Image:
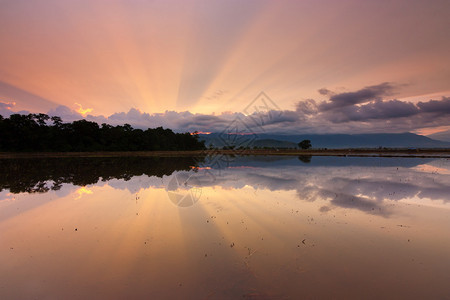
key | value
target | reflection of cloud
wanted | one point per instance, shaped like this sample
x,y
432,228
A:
x,y
82,191
324,209
441,191
364,187
377,183
29,201
137,183
7,196
363,204
432,169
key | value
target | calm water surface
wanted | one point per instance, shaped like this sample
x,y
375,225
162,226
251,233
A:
x,y
225,228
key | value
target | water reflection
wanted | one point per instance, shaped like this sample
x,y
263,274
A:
x,y
41,175
258,228
360,183
349,182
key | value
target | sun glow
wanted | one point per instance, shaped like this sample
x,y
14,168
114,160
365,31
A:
x,y
82,191
83,111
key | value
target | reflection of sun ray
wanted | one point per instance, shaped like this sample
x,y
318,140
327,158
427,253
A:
x,y
205,240
151,201
256,214
228,224
139,242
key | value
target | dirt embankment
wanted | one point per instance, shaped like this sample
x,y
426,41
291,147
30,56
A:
x,y
293,152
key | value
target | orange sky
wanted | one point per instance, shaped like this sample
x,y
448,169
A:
x,y
105,57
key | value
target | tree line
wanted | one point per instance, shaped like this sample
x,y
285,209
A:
x,y
40,132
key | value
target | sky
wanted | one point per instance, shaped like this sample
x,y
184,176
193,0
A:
x,y
319,66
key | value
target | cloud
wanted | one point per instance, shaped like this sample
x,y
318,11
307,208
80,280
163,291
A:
x,y
7,105
436,106
369,93
373,116
374,110
359,203
5,108
307,107
362,111
66,113
273,117
324,91
365,110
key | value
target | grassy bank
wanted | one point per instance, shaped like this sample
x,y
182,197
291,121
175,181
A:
x,y
294,152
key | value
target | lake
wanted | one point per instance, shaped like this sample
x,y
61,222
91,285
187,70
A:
x,y
262,227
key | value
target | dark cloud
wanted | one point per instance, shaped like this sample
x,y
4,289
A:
x,y
324,209
276,117
436,106
370,93
324,91
365,111
205,119
374,110
375,189
362,111
359,203
307,107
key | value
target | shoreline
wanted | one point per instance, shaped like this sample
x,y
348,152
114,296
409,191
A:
x,y
422,153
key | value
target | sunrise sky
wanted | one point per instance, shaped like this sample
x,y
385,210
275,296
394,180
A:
x,y
326,66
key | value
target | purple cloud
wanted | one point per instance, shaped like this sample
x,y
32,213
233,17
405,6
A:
x,y
369,93
436,106
363,111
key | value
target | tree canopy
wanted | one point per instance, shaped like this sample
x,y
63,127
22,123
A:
x,y
305,144
40,132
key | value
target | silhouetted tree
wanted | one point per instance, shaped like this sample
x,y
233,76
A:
x,y
305,144
33,132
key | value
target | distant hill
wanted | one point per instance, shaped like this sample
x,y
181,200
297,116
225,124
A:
x,y
389,140
274,143
441,136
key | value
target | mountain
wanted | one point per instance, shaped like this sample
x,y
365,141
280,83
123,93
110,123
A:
x,y
441,136
389,140
271,143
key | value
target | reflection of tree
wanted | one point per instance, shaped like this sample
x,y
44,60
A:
x,y
305,158
44,174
